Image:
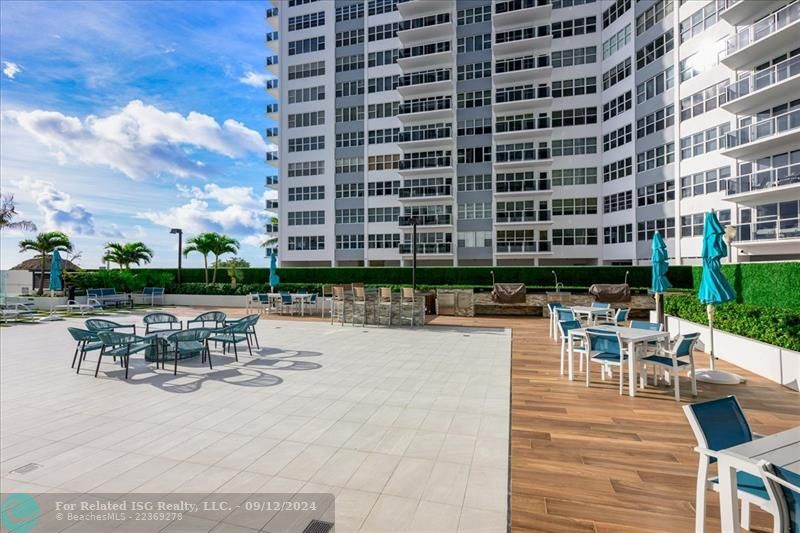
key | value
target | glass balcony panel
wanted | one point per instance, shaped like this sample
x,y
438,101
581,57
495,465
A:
x,y
763,129
763,28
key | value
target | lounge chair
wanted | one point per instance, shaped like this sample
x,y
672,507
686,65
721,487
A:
x,y
73,305
154,319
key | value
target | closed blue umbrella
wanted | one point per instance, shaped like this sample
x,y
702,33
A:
x,y
714,289
659,283
55,272
274,280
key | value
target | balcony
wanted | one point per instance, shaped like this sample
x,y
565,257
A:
x,y
425,28
516,12
423,83
521,69
521,41
522,187
425,56
427,248
762,40
778,83
525,217
523,98
272,88
407,221
522,158
270,228
425,192
773,237
273,42
771,135
426,109
272,111
271,204
764,186
271,182
520,248
426,165
521,129
273,66
271,158
425,138
272,134
417,8
742,11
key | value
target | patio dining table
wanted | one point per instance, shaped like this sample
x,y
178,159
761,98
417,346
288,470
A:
x,y
591,313
630,336
301,297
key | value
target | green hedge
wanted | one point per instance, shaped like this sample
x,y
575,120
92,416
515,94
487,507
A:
x,y
780,327
766,284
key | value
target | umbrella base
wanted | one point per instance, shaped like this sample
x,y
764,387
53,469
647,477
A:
x,y
718,377
50,318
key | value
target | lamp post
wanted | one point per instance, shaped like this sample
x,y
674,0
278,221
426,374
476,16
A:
x,y
179,232
414,254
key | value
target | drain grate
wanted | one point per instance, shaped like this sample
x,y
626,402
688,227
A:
x,y
318,526
30,467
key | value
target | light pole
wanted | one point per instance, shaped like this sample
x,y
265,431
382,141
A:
x,y
179,232
414,254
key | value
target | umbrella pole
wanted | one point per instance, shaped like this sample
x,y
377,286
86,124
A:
x,y
710,314
711,374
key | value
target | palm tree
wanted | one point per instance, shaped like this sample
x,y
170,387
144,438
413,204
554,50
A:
x,y
220,245
45,244
124,254
7,213
201,244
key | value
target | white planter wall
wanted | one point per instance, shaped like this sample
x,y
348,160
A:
x,y
769,361
203,300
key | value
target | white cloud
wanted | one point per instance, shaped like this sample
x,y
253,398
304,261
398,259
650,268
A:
x,y
11,69
59,211
254,79
140,140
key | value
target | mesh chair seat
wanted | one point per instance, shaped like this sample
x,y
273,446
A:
x,y
608,356
748,483
661,360
228,337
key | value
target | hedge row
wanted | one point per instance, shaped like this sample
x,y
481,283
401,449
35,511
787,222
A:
x,y
780,327
767,284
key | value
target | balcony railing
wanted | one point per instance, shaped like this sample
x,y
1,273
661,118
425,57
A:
x,y
523,247
763,129
522,186
503,96
516,5
424,50
424,106
521,34
425,191
427,248
760,79
763,28
537,123
531,215
768,230
420,78
427,134
426,162
533,154
762,180
426,220
424,22
521,63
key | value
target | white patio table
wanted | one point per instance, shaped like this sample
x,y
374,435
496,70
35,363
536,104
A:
x,y
781,449
630,336
591,313
303,298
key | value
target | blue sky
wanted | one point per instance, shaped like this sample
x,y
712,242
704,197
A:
x,y
123,119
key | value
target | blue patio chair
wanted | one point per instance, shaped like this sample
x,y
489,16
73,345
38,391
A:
x,y
641,324
783,487
605,347
101,324
674,359
160,318
233,334
719,424
122,345
288,301
601,305
565,313
251,328
215,318
619,317
88,341
185,344
551,307
565,326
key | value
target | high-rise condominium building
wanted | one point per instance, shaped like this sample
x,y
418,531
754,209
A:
x,y
533,132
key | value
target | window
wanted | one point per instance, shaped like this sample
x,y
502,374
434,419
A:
x,y
474,43
617,105
654,49
473,126
349,12
382,31
474,99
567,177
521,92
475,70
385,110
349,138
350,37
574,206
429,159
703,101
307,94
615,11
655,157
304,120
293,3
570,28
653,15
692,225
383,214
618,202
480,182
575,87
383,83
383,188
474,239
646,230
475,211
654,86
350,215
304,194
581,146
618,234
305,46
306,144
617,138
574,117
306,218
306,70
575,56
529,32
382,136
347,63
617,73
707,182
657,193
617,169
309,20
306,168
376,7
521,181
383,57
350,242
383,240
306,242
702,19
616,41
345,165
349,88
559,4
474,15
478,154
521,152
349,114
349,190
574,236
694,64
383,162
655,121
705,141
